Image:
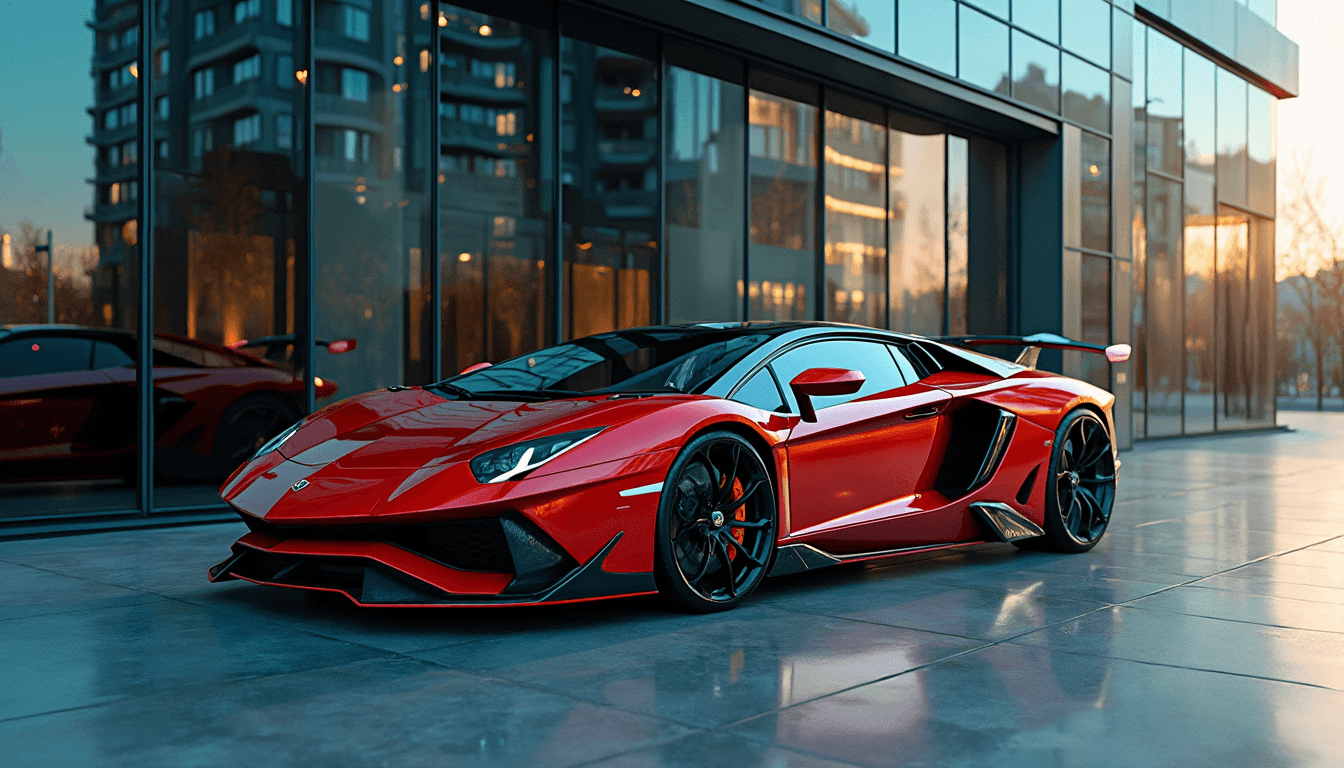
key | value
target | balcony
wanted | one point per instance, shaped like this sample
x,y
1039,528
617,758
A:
x,y
470,39
108,136
455,82
346,168
111,211
482,138
612,98
372,115
628,151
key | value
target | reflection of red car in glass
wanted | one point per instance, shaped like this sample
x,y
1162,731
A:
x,y
67,400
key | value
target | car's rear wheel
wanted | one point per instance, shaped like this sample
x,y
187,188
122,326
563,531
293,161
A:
x,y
716,524
246,426
1081,487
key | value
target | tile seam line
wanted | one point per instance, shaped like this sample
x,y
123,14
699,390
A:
x,y
1238,621
1073,652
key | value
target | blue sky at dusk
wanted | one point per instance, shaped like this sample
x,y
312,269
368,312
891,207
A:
x,y
45,52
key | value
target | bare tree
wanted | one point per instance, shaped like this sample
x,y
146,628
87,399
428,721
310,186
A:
x,y
1312,261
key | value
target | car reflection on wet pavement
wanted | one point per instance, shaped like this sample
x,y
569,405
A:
x,y
1207,628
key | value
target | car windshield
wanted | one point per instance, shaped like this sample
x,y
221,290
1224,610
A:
x,y
684,360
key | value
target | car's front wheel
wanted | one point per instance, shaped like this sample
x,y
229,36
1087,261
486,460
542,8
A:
x,y
716,524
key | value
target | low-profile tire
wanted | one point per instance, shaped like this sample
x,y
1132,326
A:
x,y
247,424
1080,486
716,525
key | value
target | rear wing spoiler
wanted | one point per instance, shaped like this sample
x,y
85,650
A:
x,y
1115,353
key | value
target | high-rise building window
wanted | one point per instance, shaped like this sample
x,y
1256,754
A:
x,y
202,141
205,23
355,84
161,147
161,62
161,107
246,9
355,23
247,130
284,71
284,13
247,69
203,82
284,131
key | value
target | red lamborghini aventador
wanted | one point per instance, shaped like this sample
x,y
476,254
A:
x,y
688,460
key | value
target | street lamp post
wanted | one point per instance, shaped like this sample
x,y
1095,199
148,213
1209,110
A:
x,y
51,280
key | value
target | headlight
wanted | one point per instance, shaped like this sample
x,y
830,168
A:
x,y
515,461
277,441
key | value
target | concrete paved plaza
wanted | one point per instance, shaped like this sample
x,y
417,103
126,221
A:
x,y
1206,629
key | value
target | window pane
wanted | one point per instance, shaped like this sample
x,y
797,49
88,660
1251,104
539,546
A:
x,y
761,392
372,221
1260,151
1165,295
808,9
1096,317
1087,94
928,33
1122,43
879,370
59,419
1087,29
957,215
1035,72
1231,138
918,232
610,178
705,188
1138,229
1233,318
871,21
997,7
856,217
1096,190
1200,228
1200,106
783,182
1040,17
1164,104
983,51
494,212
1260,340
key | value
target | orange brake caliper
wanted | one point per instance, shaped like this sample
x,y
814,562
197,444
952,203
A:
x,y
740,514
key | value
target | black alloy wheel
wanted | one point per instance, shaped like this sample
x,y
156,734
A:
x,y
1081,492
716,524
247,425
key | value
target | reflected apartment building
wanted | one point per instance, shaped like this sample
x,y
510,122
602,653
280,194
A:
x,y
432,185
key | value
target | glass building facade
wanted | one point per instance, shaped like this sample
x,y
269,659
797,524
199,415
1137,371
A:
x,y
218,216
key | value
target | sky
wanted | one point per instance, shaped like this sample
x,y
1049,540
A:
x,y
1312,121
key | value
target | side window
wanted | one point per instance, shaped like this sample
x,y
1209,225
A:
x,y
870,358
903,362
925,364
109,355
760,391
36,355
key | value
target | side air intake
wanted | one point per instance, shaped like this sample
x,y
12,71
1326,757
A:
x,y
980,436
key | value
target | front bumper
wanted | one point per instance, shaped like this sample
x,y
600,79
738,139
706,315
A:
x,y
500,561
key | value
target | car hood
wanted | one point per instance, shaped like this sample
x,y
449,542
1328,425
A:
x,y
407,452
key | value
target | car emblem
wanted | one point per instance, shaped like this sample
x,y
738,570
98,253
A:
x,y
716,517
299,486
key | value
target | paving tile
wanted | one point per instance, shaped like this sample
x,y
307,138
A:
x,y
1016,706
32,592
1308,592
1196,642
714,748
717,672
386,712
88,657
1256,609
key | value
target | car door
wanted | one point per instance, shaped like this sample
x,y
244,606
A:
x,y
862,462
48,392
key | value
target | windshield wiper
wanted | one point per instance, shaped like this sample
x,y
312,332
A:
x,y
452,389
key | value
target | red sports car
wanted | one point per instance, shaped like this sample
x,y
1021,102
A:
x,y
688,460
67,403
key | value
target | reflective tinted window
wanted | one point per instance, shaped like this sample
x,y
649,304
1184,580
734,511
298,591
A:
x,y
1035,72
679,360
109,355
36,355
1231,138
1040,17
1096,192
1087,26
928,33
869,358
1087,93
760,391
872,21
983,51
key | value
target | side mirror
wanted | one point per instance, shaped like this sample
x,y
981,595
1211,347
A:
x,y
475,367
821,382
342,345
1118,353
